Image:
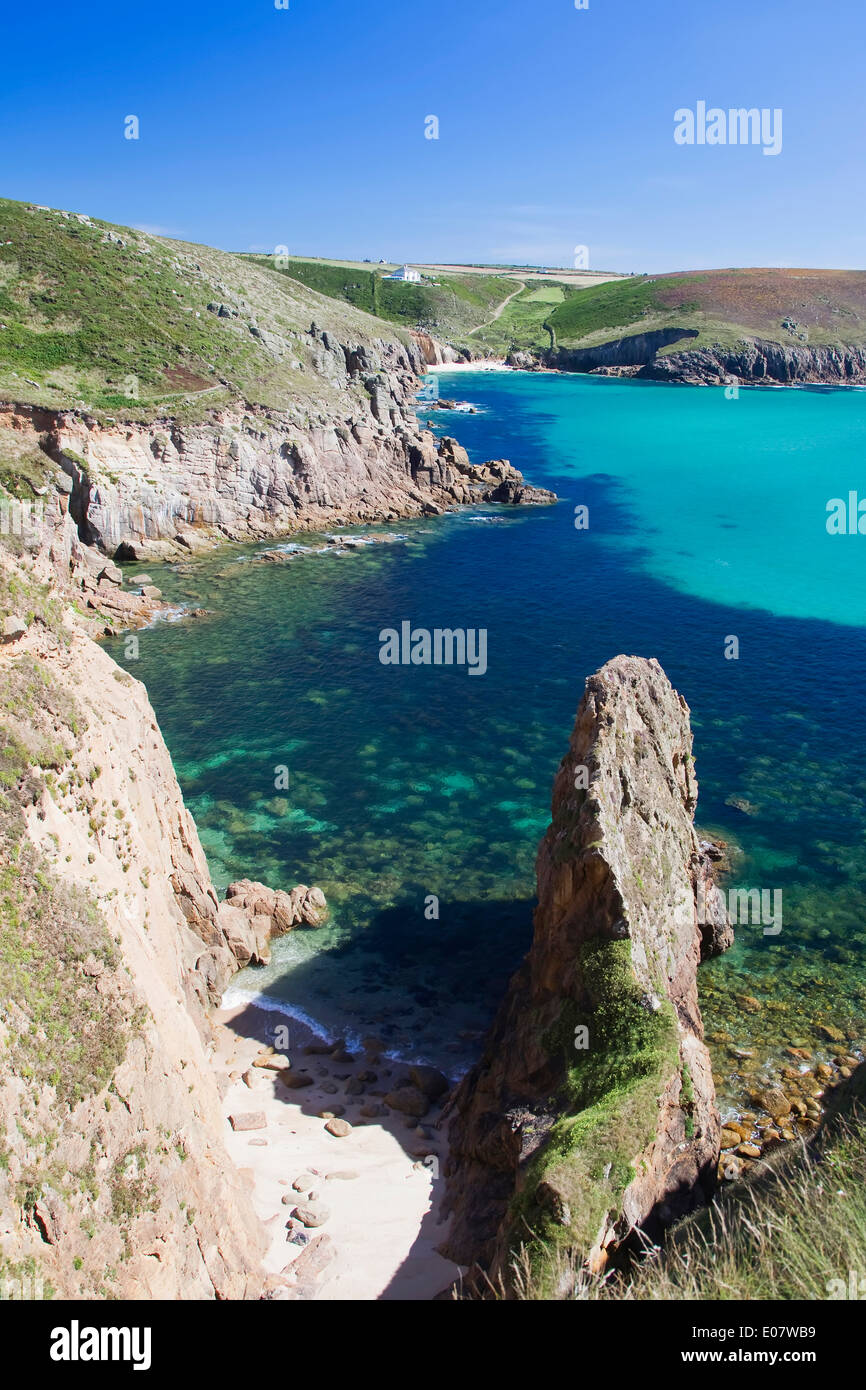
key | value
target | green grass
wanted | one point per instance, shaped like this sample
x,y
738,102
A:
x,y
618,304
449,306
794,1229
607,1108
89,321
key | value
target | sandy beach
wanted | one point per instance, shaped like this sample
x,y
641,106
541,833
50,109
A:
x,y
481,364
351,1214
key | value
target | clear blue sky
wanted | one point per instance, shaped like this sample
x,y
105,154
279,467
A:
x,y
305,127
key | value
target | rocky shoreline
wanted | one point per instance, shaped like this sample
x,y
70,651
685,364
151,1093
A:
x,y
753,362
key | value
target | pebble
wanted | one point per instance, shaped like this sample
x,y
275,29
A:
x,y
831,1034
331,1113
310,1215
341,1175
294,1080
272,1061
303,1182
749,1150
339,1128
250,1119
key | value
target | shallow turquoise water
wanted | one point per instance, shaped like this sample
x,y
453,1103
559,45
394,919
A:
x,y
707,519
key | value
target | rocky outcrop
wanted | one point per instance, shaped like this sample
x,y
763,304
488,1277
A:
x,y
434,353
635,350
759,361
114,1178
754,361
354,454
592,1110
252,913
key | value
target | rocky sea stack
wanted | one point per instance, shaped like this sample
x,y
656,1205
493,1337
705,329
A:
x,y
592,1110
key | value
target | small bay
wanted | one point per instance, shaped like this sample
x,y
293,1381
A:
x,y
406,783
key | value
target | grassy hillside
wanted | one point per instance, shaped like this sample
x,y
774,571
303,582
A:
x,y
796,307
448,306
116,320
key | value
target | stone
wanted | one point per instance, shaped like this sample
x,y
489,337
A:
x,y
341,1175
331,1112
248,1119
311,1214
13,627
830,1033
429,1080
409,1100
312,1261
339,1128
730,1138
303,1182
774,1101
295,1080
273,1061
749,1150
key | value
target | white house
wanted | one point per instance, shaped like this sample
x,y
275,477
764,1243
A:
x,y
404,273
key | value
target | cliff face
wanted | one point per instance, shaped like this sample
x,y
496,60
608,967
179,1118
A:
x,y
753,361
114,1179
141,490
592,1110
761,361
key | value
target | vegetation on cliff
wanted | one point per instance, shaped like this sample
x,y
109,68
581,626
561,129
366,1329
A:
x,y
106,318
795,1229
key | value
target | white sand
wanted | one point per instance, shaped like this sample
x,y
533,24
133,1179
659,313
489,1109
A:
x,y
484,364
384,1223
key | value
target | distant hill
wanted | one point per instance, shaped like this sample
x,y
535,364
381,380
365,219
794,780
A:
x,y
487,309
793,307
105,318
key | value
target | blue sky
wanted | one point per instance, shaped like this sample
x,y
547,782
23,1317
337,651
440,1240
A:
x,y
305,127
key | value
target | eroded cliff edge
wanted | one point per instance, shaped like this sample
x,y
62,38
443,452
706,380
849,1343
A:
x,y
114,1176
352,453
592,1110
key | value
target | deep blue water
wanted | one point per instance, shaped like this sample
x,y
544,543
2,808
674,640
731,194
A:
x,y
416,780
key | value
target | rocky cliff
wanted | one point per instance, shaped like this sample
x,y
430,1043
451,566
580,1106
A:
x,y
114,1179
142,489
751,361
759,361
592,1110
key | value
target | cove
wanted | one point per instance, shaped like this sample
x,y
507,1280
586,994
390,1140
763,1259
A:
x,y
706,518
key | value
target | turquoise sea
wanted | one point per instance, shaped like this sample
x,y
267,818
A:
x,y
706,522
